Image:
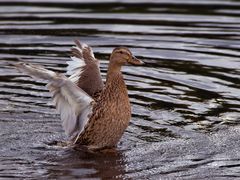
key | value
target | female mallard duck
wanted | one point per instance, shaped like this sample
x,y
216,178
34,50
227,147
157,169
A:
x,y
92,114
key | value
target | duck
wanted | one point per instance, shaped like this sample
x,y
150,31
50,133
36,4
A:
x,y
94,113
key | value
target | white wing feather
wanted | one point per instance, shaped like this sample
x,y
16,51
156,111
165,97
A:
x,y
73,104
75,68
76,64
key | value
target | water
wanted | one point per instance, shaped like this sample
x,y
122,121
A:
x,y
186,99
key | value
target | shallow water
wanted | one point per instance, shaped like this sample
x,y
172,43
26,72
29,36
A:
x,y
186,99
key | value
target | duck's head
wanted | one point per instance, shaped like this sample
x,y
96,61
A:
x,y
122,56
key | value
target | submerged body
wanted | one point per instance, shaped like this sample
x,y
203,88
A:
x,y
92,114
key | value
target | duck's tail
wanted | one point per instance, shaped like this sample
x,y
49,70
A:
x,y
36,71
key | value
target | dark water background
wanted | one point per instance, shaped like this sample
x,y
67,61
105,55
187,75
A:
x,y
186,99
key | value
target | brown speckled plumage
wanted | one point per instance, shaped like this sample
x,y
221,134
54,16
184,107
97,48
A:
x,y
111,116
93,115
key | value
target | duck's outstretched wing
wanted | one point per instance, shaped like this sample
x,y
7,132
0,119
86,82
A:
x,y
84,69
73,104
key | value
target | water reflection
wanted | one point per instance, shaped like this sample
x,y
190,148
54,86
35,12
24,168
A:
x,y
79,164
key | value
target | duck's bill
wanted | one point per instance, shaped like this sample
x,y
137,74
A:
x,y
135,61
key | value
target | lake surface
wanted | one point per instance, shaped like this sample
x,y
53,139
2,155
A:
x,y
185,100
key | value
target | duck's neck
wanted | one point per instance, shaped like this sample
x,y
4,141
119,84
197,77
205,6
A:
x,y
113,68
115,78
116,91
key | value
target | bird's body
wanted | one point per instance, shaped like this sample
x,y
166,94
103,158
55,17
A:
x,y
92,114
112,116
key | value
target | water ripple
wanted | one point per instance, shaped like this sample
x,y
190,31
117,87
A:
x,y
185,99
